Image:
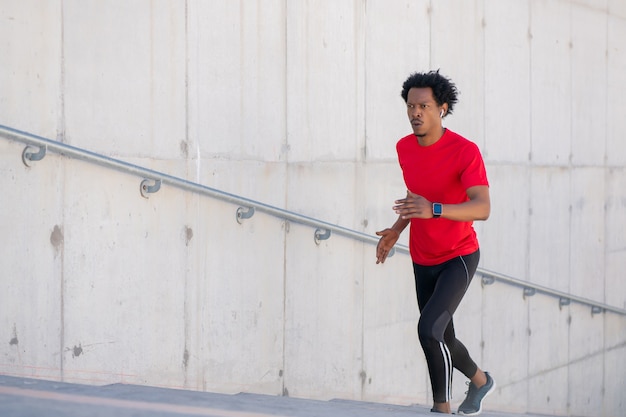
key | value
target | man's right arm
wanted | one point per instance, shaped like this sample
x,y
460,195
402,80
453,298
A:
x,y
388,238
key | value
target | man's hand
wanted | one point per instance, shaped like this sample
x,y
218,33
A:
x,y
388,238
413,207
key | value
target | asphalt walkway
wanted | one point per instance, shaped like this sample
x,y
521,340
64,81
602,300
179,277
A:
x,y
23,397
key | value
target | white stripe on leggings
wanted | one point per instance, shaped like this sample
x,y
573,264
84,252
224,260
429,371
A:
x,y
447,361
467,276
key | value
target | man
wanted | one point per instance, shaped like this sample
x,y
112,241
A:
x,y
447,190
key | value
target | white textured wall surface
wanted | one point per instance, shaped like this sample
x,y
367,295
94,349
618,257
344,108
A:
x,y
296,104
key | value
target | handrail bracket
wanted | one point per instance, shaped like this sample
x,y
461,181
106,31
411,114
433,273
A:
x,y
321,234
30,155
244,213
529,291
487,280
596,310
146,189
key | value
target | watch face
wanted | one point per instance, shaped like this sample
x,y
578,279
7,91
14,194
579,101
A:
x,y
437,209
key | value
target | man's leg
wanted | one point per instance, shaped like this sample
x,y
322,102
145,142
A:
x,y
440,289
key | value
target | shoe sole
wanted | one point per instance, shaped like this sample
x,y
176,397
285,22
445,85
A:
x,y
480,409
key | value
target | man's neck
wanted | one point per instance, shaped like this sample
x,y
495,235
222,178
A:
x,y
427,140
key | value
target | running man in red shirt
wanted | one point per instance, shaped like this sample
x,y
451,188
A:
x,y
447,190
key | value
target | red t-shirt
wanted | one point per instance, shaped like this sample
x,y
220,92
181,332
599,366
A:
x,y
441,173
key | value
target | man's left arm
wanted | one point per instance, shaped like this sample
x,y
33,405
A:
x,y
477,208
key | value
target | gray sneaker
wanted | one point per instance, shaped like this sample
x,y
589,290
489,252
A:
x,y
473,403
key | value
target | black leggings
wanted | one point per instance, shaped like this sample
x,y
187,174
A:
x,y
440,289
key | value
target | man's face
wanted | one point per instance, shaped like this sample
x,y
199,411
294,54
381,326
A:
x,y
423,111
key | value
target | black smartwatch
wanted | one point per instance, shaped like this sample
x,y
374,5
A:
x,y
437,209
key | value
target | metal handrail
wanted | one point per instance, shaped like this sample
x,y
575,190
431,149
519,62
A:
x,y
248,206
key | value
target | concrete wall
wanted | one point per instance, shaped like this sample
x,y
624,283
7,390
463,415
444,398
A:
x,y
296,104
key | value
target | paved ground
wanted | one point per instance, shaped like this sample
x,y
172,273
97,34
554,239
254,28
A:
x,y
22,397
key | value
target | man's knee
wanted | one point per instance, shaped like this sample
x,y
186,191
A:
x,y
433,330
